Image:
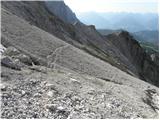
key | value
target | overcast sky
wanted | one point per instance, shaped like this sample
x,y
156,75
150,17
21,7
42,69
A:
x,y
137,6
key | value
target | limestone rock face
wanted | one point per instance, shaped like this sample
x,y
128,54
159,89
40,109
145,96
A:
x,y
155,58
147,68
62,11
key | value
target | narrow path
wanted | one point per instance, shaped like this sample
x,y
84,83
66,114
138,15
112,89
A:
x,y
55,53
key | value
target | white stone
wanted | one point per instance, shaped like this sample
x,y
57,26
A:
x,y
60,108
23,92
74,80
50,94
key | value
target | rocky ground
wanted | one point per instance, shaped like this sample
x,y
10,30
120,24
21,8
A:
x,y
40,92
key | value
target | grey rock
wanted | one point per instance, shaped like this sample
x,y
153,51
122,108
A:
x,y
62,11
3,87
11,51
50,93
146,67
37,95
23,92
51,107
24,59
2,49
151,98
8,62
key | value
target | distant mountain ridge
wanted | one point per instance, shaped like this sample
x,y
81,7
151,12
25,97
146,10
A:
x,y
148,36
131,22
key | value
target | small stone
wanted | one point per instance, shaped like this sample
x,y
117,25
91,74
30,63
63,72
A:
x,y
33,81
6,95
50,86
91,92
109,105
60,108
2,48
51,107
23,92
74,80
50,94
37,95
76,98
3,88
63,111
43,83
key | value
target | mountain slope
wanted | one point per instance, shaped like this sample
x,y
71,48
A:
x,y
147,39
81,36
141,36
136,54
147,36
49,49
127,55
67,32
62,11
61,90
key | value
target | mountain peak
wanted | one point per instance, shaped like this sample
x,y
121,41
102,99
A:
x,y
60,9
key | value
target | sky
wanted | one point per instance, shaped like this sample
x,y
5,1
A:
x,y
135,6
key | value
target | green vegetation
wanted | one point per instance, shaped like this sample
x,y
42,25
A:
x,y
149,47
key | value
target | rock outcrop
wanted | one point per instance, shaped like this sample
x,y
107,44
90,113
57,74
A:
x,y
8,62
147,68
62,11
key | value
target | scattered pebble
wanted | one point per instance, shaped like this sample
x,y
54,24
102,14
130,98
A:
x,y
50,94
3,87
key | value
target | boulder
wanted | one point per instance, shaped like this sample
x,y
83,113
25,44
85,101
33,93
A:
x,y
2,48
151,98
11,51
24,59
3,87
16,54
7,62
